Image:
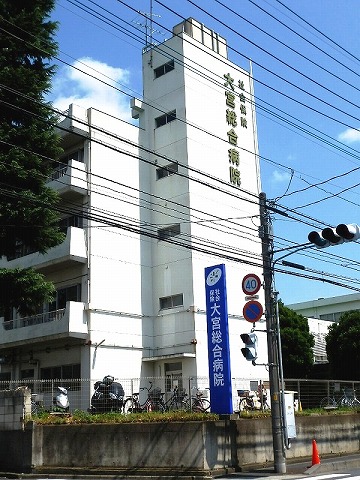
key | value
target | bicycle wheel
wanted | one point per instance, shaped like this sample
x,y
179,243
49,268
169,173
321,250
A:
x,y
355,403
206,405
171,405
243,405
158,406
346,402
200,405
129,406
186,405
328,402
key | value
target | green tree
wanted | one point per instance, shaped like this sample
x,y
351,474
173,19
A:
x,y
28,143
297,343
343,347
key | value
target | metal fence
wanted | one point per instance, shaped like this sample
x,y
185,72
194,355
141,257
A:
x,y
307,393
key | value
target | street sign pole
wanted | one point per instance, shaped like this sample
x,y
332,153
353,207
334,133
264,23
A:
x,y
272,342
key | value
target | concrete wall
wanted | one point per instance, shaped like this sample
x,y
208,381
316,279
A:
x,y
175,446
15,406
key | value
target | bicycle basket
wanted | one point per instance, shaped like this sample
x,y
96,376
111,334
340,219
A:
x,y
155,393
243,393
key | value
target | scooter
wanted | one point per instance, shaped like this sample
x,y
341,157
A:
x,y
61,400
108,396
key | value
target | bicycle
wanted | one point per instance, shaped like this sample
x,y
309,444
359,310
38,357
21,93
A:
x,y
153,402
177,401
348,399
198,402
250,400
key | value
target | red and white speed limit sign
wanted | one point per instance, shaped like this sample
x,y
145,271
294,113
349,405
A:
x,y
251,284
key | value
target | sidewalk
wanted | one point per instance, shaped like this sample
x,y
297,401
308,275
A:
x,y
296,468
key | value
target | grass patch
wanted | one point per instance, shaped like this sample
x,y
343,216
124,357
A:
x,y
82,417
303,413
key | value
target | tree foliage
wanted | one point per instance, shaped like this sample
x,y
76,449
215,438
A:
x,y
24,288
343,347
28,144
297,343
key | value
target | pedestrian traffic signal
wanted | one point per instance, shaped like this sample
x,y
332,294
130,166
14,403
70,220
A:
x,y
335,236
250,349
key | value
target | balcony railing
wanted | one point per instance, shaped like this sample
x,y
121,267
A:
x,y
70,322
34,319
72,249
58,172
70,179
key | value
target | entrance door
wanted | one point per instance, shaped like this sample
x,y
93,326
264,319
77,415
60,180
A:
x,y
173,377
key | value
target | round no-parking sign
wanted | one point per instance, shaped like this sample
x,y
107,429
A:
x,y
253,311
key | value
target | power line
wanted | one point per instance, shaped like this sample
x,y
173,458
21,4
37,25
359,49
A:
x,y
319,31
263,158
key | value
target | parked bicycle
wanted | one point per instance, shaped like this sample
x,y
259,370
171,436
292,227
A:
x,y
178,400
198,402
250,400
348,399
153,402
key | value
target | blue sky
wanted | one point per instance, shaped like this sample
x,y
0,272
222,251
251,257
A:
x,y
306,66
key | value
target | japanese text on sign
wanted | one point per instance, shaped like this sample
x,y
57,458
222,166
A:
x,y
235,116
218,339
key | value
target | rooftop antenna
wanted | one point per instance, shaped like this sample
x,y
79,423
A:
x,y
149,30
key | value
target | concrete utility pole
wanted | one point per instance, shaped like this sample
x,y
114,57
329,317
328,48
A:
x,y
266,236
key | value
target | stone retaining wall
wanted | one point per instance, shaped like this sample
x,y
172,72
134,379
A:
x,y
135,448
170,446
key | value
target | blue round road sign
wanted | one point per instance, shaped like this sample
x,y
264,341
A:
x,y
252,311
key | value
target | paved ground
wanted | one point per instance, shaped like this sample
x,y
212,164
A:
x,y
294,469
299,468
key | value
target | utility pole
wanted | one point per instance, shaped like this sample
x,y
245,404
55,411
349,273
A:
x,y
266,236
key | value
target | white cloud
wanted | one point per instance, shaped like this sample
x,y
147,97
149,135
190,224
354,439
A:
x,y
89,84
350,135
280,177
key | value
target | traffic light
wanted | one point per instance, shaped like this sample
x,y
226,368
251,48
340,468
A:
x,y
335,236
250,349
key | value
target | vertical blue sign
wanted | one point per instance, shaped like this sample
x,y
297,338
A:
x,y
218,340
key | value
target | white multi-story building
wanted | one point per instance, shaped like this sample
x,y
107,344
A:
x,y
146,208
321,314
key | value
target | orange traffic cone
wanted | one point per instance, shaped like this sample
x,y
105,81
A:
x,y
315,454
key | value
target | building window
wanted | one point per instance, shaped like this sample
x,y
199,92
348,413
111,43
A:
x,y
77,155
167,170
21,250
172,301
62,372
26,374
165,68
172,231
164,119
72,221
333,317
63,295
